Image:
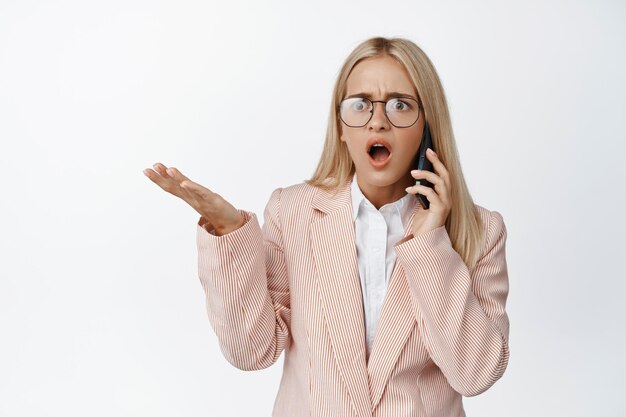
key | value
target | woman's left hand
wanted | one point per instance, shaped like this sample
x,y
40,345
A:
x,y
438,196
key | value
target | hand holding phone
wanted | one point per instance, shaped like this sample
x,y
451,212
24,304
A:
x,y
422,162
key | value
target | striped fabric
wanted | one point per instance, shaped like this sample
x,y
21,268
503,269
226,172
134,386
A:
x,y
294,286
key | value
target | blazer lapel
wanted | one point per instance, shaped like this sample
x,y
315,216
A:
x,y
334,250
394,327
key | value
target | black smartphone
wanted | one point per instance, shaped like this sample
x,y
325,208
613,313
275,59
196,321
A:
x,y
423,163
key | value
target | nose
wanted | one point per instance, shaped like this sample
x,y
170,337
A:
x,y
379,118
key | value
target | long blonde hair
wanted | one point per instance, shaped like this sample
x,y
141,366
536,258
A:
x,y
335,167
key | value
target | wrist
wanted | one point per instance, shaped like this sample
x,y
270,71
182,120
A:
x,y
230,227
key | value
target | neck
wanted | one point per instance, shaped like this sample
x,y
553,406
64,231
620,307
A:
x,y
379,196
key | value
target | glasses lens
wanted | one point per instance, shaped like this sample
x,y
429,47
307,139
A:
x,y
402,112
355,111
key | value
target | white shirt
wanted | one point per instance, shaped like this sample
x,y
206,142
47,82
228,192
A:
x,y
377,231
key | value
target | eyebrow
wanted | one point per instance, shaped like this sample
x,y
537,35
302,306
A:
x,y
391,94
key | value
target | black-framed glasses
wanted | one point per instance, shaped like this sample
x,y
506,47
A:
x,y
400,111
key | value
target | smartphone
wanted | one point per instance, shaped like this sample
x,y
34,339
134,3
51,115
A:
x,y
423,163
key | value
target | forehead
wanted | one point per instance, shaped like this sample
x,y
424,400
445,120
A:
x,y
378,75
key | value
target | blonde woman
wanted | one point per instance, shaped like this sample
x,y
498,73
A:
x,y
385,304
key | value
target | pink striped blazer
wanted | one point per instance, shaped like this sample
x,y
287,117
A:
x,y
294,286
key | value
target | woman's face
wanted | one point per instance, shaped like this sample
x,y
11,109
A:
x,y
382,178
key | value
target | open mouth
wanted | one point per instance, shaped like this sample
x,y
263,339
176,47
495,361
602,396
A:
x,y
379,152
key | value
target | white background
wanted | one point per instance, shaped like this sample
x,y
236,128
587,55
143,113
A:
x,y
101,309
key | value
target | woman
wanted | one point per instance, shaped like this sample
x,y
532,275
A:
x,y
384,307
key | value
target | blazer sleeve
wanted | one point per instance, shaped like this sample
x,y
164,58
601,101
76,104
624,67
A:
x,y
461,313
244,277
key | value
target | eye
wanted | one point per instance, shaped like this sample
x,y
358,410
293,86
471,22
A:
x,y
397,104
358,104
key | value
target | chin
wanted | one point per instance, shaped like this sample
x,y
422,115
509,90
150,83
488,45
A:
x,y
380,178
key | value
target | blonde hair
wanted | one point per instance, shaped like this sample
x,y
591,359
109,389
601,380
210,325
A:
x,y
335,167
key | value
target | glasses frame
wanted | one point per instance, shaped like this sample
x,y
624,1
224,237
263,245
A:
x,y
419,110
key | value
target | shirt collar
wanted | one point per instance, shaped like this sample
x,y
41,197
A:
x,y
357,197
404,206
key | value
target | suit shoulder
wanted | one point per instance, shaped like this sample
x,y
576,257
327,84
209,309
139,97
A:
x,y
298,191
295,194
493,225
488,216
293,198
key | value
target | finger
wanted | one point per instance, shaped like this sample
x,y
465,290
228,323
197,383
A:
x,y
155,176
148,172
428,175
160,169
428,192
439,167
189,188
438,183
159,176
175,174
